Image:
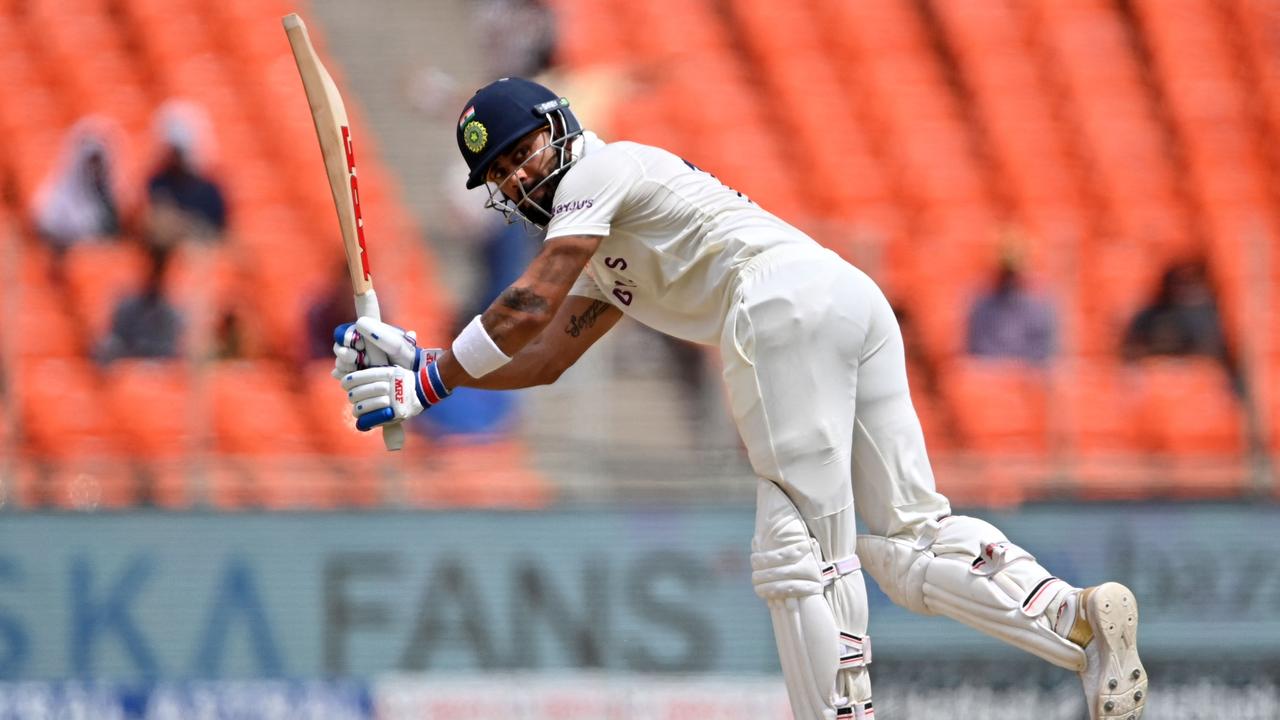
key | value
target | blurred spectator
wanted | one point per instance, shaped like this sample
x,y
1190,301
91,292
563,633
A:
x,y
145,325
1182,319
518,37
1010,321
183,202
80,200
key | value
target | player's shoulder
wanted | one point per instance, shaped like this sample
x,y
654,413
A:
x,y
615,165
641,152
633,160
619,153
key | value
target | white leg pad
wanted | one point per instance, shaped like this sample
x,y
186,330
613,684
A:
x,y
967,570
819,612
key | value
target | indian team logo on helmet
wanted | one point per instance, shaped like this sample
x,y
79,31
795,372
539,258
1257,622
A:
x,y
467,114
475,136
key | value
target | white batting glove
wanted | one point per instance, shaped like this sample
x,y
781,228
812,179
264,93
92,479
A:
x,y
382,395
389,394
349,345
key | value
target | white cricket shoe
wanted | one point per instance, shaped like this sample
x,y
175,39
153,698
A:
x,y
1115,683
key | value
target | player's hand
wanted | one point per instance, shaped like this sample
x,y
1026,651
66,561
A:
x,y
348,350
382,395
350,343
387,394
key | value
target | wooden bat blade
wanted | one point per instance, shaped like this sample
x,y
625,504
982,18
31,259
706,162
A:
x,y
334,133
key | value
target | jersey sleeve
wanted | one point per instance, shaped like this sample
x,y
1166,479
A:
x,y
592,192
586,286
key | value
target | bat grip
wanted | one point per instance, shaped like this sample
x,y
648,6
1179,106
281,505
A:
x,y
367,306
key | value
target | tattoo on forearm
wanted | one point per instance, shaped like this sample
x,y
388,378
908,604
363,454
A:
x,y
578,323
524,300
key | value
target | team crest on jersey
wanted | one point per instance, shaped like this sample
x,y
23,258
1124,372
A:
x,y
475,136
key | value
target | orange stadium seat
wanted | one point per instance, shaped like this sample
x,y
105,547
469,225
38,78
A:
x,y
151,404
1186,407
60,408
599,37
1000,406
266,448
463,473
255,410
45,315
1095,408
99,275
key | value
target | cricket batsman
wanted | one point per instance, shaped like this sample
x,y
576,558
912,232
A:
x,y
817,383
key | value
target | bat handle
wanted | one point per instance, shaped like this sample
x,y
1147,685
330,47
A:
x,y
367,306
393,436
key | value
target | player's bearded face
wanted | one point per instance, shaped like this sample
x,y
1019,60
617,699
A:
x,y
520,172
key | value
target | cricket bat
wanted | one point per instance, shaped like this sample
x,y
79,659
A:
x,y
334,133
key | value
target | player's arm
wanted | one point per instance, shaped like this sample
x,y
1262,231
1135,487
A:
x,y
580,322
375,393
525,309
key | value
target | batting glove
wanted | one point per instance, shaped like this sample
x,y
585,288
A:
x,y
388,394
350,345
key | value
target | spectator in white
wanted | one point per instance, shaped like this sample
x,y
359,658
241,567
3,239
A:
x,y
1011,322
145,325
184,202
80,200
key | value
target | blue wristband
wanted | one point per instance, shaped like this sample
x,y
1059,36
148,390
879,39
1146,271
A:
x,y
431,389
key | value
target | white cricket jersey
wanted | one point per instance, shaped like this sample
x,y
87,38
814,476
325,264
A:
x,y
674,236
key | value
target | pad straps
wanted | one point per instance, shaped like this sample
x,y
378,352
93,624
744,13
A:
x,y
840,568
857,711
855,650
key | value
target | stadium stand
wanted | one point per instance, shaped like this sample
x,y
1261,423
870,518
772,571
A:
x,y
1111,137
179,433
1114,150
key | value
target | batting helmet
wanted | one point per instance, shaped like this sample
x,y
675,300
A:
x,y
501,113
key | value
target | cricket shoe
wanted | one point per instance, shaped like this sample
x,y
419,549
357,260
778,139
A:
x,y
1106,626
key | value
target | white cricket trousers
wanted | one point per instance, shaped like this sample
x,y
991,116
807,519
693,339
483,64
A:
x,y
817,382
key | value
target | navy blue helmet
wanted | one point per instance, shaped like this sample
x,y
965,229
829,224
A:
x,y
501,113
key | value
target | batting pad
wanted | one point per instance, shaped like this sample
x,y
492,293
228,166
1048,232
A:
x,y
823,652
966,569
